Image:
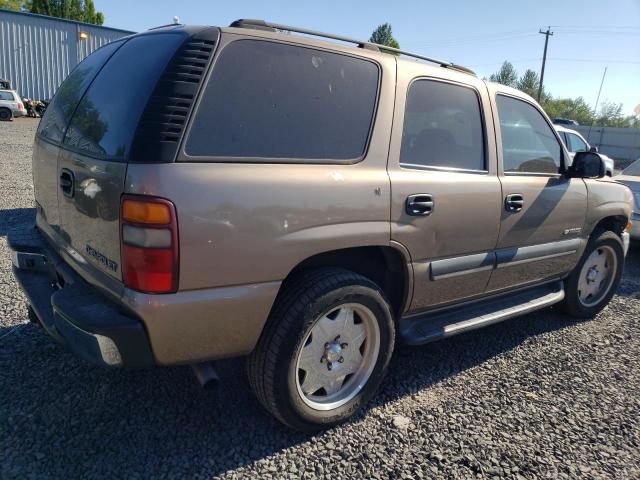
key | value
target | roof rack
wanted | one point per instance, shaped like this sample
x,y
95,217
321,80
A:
x,y
274,27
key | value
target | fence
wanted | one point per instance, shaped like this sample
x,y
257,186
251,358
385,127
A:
x,y
619,143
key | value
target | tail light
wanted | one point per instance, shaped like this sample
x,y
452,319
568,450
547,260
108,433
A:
x,y
149,244
20,106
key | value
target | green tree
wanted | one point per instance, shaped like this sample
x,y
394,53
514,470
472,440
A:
x,y
383,36
574,108
529,83
17,5
507,75
610,115
80,10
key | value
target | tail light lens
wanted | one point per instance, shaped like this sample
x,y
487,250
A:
x,y
20,106
149,244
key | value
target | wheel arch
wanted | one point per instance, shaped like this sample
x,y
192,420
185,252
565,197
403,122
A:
x,y
614,223
387,266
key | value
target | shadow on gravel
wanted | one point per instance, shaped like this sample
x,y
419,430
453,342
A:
x,y
12,217
62,417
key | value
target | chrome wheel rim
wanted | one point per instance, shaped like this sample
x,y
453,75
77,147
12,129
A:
x,y
597,275
337,356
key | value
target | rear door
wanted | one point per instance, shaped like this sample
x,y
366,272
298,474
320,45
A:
x,y
50,134
93,162
445,191
543,212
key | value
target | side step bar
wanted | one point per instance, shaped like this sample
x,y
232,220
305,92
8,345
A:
x,y
431,326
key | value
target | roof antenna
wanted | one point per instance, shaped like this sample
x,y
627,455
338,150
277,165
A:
x,y
176,20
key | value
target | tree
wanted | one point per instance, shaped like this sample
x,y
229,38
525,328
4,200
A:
x,y
529,83
17,5
382,36
80,10
610,115
576,109
507,75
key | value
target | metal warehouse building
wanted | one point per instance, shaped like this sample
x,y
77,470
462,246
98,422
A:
x,y
37,52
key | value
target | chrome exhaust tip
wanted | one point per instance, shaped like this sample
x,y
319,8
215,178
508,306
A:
x,y
205,373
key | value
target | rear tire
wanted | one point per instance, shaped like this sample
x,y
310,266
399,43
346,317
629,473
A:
x,y
595,279
5,115
324,350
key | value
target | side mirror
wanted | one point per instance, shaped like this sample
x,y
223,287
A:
x,y
587,165
593,149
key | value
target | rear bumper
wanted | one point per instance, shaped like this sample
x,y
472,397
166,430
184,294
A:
x,y
72,311
19,113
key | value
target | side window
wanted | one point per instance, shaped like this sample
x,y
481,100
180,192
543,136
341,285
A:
x,y
272,100
6,96
64,102
576,144
442,127
528,142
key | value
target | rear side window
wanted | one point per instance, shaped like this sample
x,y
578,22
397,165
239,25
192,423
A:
x,y
6,96
528,142
105,121
64,102
442,127
271,100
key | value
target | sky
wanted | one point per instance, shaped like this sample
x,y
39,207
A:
x,y
589,35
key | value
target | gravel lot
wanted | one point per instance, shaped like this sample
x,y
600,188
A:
x,y
536,397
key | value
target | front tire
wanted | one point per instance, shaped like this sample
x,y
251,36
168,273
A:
x,y
595,279
325,349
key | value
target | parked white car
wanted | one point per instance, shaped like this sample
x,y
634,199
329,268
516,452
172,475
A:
x,y
630,177
577,143
11,105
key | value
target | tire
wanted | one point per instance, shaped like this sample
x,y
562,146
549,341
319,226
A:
x,y
5,115
299,323
604,248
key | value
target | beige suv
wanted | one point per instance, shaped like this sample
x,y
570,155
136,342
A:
x,y
304,203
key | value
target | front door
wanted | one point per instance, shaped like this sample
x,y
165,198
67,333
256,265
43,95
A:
x,y
446,195
543,212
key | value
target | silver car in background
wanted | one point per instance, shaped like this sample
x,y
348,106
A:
x,y
630,177
577,143
11,105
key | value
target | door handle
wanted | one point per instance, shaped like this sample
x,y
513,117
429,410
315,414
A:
x,y
66,182
514,202
419,205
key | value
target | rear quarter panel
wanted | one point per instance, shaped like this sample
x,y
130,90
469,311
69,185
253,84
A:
x,y
243,223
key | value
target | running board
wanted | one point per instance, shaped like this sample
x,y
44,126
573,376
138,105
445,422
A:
x,y
430,326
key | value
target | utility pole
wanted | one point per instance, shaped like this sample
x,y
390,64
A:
x,y
595,109
544,58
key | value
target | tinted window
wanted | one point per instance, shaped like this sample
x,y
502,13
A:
x,y
442,127
271,100
105,121
56,118
528,142
576,144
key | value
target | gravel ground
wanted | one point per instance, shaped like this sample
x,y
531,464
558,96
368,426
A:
x,y
539,396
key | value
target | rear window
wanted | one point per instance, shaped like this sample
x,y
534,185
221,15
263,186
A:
x,y
59,111
269,100
105,121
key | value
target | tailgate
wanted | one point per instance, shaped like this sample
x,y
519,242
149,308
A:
x,y
92,165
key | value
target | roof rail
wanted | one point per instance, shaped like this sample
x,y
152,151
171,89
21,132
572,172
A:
x,y
273,27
